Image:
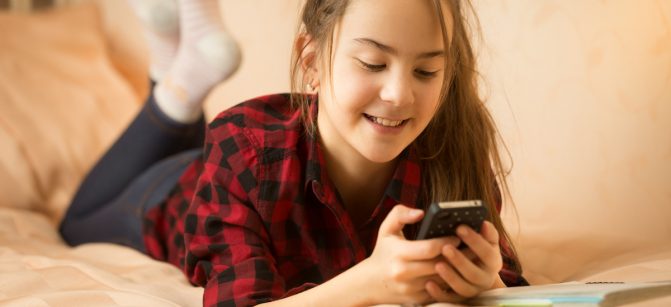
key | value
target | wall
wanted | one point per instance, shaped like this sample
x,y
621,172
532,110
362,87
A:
x,y
265,30
581,91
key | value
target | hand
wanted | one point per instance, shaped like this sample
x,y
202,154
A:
x,y
470,271
398,269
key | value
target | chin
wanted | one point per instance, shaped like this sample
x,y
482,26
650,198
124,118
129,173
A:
x,y
381,155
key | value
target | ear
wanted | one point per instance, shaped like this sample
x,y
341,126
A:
x,y
309,59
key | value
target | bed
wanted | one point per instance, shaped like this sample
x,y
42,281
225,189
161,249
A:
x,y
71,78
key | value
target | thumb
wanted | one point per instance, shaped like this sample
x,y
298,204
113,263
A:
x,y
398,217
489,232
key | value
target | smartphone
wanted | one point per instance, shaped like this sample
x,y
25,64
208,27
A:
x,y
442,218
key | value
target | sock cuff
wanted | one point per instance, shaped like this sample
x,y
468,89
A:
x,y
166,122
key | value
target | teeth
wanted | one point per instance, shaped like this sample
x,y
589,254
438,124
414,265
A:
x,y
385,122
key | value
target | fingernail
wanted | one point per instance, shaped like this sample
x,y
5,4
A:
x,y
441,267
449,251
415,212
462,231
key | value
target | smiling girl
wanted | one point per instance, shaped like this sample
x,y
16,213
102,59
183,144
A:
x,y
310,198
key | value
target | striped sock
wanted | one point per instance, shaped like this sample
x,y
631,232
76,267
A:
x,y
207,55
161,28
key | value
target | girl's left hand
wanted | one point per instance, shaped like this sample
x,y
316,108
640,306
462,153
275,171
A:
x,y
469,271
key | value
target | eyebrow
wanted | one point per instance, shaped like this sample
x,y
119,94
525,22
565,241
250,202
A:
x,y
392,51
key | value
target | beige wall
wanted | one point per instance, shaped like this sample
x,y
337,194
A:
x,y
581,91
265,29
582,94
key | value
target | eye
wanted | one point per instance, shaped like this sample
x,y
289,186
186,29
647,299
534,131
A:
x,y
426,74
371,67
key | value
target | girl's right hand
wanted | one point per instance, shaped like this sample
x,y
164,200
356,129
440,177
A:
x,y
398,269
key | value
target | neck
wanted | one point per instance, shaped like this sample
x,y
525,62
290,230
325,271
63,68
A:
x,y
357,178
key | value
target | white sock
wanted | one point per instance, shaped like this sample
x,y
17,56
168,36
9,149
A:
x,y
207,55
160,19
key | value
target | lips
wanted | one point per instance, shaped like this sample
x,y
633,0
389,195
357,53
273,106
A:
x,y
385,121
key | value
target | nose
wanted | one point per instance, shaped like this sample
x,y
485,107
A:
x,y
397,89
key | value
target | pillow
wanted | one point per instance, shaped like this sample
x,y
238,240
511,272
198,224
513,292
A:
x,y
62,102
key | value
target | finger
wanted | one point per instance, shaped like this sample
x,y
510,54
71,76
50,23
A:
x,y
439,281
489,232
469,271
470,255
455,281
425,249
412,270
441,294
398,217
487,252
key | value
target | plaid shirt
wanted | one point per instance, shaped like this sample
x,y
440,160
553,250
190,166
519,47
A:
x,y
258,218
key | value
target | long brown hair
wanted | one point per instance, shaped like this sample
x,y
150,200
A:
x,y
458,150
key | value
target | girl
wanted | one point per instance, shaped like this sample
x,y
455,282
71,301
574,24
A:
x,y
303,199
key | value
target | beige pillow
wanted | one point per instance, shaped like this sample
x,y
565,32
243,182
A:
x,y
62,102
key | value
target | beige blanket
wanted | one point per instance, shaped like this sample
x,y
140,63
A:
x,y
37,269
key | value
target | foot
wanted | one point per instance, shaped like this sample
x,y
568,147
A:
x,y
160,20
207,55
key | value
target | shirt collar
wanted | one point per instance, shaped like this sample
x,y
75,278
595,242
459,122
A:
x,y
315,158
404,185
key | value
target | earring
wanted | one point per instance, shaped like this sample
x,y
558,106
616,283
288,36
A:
x,y
311,88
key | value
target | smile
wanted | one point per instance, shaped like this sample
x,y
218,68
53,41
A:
x,y
385,122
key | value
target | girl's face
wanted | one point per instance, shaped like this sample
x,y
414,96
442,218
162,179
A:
x,y
386,78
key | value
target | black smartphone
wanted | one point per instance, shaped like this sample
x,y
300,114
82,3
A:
x,y
442,218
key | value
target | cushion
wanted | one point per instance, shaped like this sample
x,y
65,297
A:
x,y
62,102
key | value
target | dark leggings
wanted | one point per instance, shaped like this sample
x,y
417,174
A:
x,y
136,174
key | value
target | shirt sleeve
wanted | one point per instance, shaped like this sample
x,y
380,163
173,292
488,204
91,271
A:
x,y
511,273
227,244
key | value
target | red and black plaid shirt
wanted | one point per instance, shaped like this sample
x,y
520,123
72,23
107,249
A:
x,y
258,218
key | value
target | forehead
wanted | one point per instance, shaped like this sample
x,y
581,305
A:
x,y
412,26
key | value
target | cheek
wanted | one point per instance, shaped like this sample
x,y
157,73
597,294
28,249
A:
x,y
430,96
353,88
